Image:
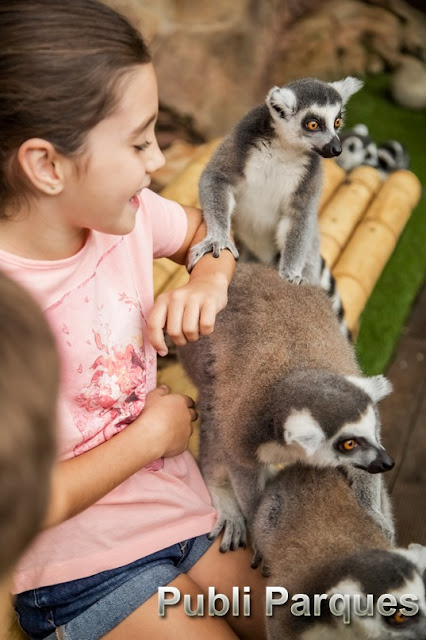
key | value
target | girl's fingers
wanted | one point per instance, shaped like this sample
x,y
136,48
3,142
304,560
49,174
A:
x,y
191,321
207,318
184,319
174,323
156,323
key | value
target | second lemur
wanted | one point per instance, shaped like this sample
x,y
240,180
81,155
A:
x,y
267,176
277,383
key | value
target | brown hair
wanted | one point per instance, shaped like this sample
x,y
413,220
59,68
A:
x,y
28,392
60,63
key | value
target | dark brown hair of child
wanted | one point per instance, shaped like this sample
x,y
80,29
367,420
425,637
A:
x,y
60,67
28,394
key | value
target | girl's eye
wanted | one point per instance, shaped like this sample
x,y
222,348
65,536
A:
x,y
312,125
141,147
348,445
337,123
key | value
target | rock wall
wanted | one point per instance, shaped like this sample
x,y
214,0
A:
x,y
215,59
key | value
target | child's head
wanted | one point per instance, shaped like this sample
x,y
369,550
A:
x,y
28,391
62,68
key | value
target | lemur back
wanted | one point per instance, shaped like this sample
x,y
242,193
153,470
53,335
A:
x,y
315,538
278,382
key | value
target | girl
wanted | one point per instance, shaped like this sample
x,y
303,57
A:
x,y
79,228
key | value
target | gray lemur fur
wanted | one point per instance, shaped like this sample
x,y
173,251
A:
x,y
315,538
267,176
278,382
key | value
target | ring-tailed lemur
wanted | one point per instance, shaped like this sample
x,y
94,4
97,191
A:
x,y
313,537
391,156
277,381
358,148
267,176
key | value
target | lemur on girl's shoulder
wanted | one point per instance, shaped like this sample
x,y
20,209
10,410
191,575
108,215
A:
x,y
267,177
278,382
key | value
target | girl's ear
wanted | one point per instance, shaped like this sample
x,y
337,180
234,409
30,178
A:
x,y
42,165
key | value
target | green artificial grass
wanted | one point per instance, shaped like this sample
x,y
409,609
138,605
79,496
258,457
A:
x,y
390,303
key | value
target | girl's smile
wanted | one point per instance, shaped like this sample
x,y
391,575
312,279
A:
x,y
122,152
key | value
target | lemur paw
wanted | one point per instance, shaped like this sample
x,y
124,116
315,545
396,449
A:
x,y
234,531
208,245
294,277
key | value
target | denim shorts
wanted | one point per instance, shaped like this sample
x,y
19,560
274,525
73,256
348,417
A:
x,y
86,609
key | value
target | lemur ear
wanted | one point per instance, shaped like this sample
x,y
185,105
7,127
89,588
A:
x,y
377,387
281,102
416,553
301,428
347,87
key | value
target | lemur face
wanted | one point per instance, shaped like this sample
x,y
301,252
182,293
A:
x,y
308,113
357,148
329,420
354,444
398,573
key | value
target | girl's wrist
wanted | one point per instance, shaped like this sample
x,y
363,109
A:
x,y
153,445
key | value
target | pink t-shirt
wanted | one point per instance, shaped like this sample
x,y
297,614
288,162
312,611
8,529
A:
x,y
97,302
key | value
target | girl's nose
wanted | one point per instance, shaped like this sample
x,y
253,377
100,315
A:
x,y
154,158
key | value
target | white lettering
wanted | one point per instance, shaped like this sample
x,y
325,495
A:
x,y
162,602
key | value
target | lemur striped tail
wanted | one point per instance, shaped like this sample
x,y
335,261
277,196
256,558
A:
x,y
328,283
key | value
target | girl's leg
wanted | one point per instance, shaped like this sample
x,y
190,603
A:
x,y
232,569
176,624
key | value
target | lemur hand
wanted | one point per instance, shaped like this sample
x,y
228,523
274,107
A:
x,y
168,417
213,245
188,312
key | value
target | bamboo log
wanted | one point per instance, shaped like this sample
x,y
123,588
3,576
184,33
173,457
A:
x,y
184,188
374,240
333,177
344,210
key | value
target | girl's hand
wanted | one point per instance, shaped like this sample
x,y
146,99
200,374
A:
x,y
168,417
188,312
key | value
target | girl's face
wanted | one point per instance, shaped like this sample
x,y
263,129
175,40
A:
x,y
121,153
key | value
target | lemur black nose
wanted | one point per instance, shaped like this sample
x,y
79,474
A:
x,y
332,148
382,463
336,148
388,464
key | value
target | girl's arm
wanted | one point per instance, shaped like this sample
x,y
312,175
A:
x,y
191,310
162,430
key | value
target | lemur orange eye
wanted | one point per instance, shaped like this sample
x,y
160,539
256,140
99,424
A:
x,y
312,125
348,445
337,122
399,618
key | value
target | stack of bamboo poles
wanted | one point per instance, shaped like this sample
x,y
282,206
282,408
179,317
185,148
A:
x,y
361,218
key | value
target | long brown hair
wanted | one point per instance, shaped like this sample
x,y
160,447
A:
x,y
28,395
60,63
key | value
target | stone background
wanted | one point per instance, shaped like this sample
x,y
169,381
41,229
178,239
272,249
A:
x,y
215,59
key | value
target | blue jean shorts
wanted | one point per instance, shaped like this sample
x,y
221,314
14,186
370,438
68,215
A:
x,y
86,609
